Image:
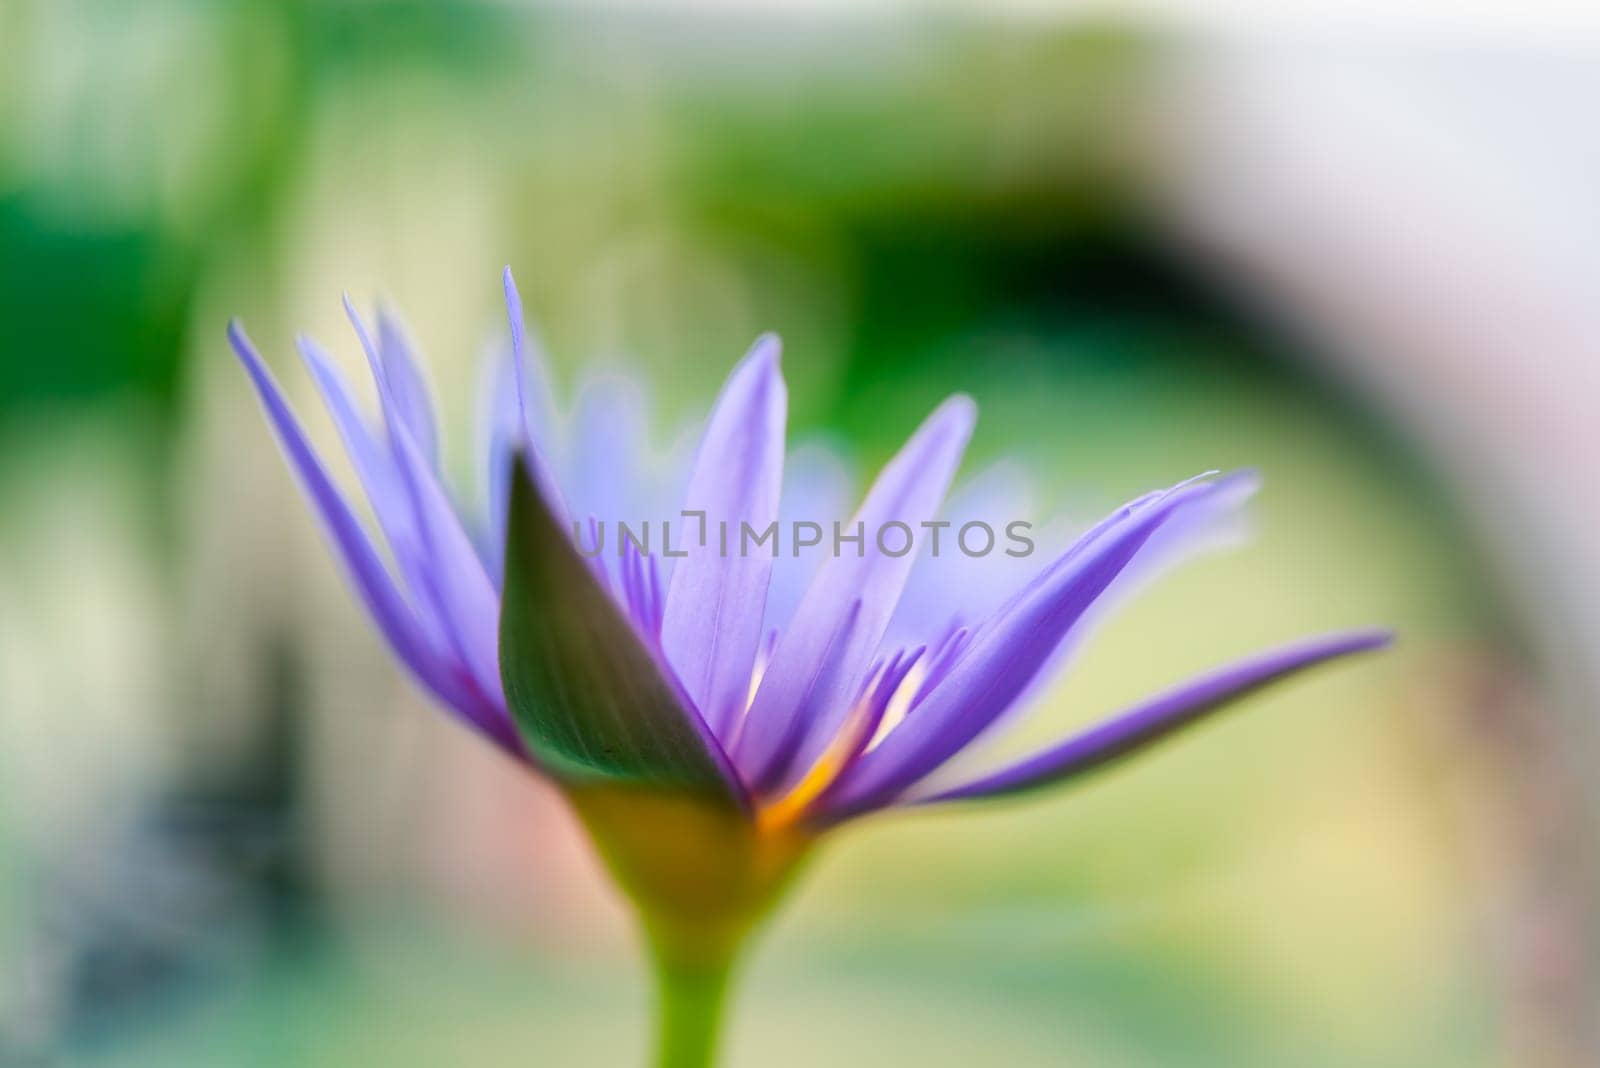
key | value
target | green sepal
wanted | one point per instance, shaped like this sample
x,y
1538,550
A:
x,y
589,700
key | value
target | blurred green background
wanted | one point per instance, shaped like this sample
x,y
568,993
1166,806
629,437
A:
x,y
229,835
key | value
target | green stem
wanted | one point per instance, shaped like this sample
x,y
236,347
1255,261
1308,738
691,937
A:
x,y
690,997
702,876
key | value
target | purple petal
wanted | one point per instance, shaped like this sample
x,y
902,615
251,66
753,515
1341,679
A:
x,y
500,429
1206,523
602,468
467,598
412,397
371,458
386,490
880,692
383,601
460,588
1004,656
608,441
1160,716
715,600
909,491
534,404
824,683
951,586
817,488
639,592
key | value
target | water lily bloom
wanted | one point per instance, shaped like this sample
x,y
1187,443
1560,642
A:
x,y
706,730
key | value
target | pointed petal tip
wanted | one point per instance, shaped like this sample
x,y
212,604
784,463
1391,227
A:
x,y
1368,638
309,356
1236,486
243,347
767,348
953,420
1246,479
514,314
764,361
1165,713
389,316
1354,640
958,410
352,313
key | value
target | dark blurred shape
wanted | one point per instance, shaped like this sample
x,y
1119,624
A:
x,y
198,890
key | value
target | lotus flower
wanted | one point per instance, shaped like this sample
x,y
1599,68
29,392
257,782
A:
x,y
710,714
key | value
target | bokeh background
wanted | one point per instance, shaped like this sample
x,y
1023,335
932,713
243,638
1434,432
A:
x,y
1356,250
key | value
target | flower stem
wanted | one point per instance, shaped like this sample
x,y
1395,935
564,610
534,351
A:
x,y
690,997
702,875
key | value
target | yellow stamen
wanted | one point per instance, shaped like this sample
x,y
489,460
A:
x,y
786,810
